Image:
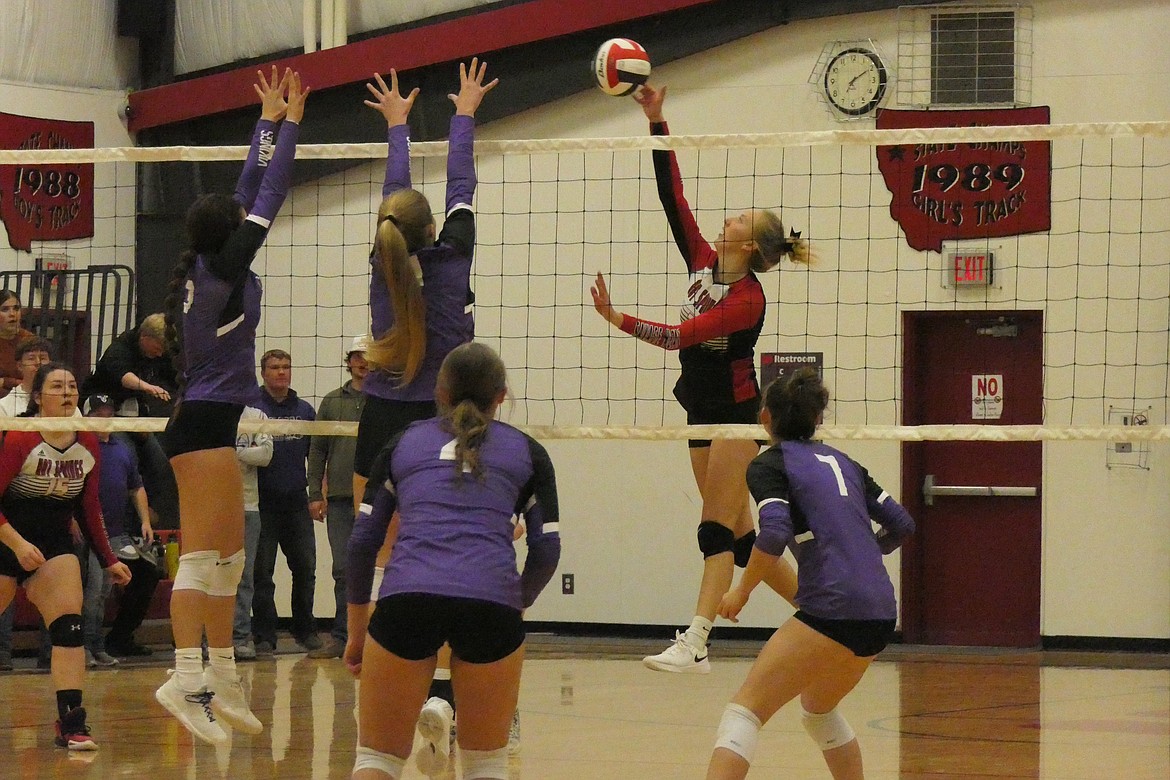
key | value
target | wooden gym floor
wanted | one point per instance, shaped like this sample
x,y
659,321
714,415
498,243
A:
x,y
590,710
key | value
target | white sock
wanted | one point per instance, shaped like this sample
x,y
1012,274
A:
x,y
698,632
223,661
441,673
189,668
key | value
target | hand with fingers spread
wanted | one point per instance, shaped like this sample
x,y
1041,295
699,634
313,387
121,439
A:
x,y
471,87
650,99
389,102
271,92
296,97
603,304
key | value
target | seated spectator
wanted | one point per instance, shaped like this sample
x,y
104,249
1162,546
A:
x,y
137,371
119,487
11,334
31,354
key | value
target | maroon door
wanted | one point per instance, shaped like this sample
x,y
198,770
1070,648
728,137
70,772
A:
x,y
971,574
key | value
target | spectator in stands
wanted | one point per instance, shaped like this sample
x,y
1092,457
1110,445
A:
x,y
253,450
119,488
137,372
11,334
331,483
284,512
31,353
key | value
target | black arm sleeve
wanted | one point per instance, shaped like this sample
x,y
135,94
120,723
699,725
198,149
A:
x,y
459,231
238,251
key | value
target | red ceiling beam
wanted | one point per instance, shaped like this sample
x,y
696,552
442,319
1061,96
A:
x,y
454,39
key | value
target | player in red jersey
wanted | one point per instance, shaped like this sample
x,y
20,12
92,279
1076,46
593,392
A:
x,y
47,480
716,340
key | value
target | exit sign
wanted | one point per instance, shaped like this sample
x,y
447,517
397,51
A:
x,y
968,269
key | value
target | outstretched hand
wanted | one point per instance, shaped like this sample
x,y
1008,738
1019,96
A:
x,y
389,102
296,98
650,99
602,303
271,91
471,87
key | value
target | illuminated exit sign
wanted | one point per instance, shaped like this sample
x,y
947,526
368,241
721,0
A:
x,y
968,269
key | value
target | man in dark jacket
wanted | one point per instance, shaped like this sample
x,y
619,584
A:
x,y
284,512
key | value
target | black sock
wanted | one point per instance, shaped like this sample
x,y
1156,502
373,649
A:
x,y
68,699
443,689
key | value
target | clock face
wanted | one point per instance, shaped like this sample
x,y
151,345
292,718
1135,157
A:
x,y
855,81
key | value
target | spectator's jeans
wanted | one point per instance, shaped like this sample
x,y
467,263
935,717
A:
x,y
96,585
242,625
292,530
339,525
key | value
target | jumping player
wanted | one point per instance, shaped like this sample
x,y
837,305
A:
x,y
818,502
216,296
456,481
420,305
48,479
716,341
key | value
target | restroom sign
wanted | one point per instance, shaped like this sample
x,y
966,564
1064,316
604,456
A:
x,y
986,396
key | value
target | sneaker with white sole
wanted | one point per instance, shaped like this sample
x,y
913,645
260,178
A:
x,y
680,658
73,733
229,702
514,735
192,709
435,726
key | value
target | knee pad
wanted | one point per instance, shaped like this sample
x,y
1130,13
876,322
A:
x,y
484,764
739,730
742,548
368,758
715,538
196,571
65,631
225,579
829,729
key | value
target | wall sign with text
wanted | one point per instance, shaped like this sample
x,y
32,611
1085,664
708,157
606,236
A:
x,y
45,202
774,365
947,192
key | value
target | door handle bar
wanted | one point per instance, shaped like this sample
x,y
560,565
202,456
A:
x,y
930,490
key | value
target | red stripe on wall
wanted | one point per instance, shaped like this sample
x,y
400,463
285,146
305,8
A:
x,y
475,34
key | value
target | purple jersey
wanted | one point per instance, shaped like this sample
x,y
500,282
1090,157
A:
x,y
118,478
819,502
446,266
455,530
221,305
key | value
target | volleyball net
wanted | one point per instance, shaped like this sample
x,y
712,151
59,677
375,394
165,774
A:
x,y
550,214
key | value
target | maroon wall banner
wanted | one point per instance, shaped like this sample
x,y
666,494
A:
x,y
45,202
944,192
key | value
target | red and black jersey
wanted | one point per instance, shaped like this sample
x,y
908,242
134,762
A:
x,y
719,323
42,488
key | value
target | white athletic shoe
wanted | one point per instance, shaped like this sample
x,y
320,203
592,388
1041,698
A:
x,y
435,725
229,702
680,658
514,735
193,710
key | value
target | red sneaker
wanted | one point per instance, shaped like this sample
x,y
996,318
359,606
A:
x,y
72,733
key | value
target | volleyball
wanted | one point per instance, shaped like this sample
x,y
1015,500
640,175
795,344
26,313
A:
x,y
621,66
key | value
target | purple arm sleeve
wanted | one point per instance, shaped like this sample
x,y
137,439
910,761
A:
x,y
397,159
263,145
278,176
775,527
461,179
895,521
369,533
